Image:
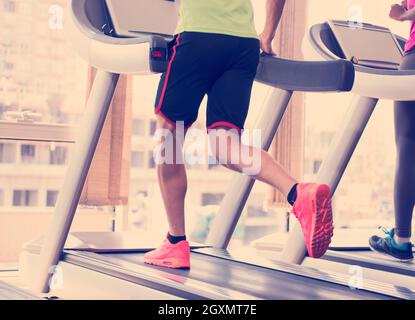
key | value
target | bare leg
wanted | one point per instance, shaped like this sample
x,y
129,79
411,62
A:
x,y
173,180
312,205
268,170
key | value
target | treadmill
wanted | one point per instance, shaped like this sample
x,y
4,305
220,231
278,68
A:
x,y
110,265
377,77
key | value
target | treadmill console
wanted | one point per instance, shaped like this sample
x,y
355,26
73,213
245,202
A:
x,y
367,45
155,20
138,17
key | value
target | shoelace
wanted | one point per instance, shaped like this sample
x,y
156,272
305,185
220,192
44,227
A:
x,y
386,231
391,233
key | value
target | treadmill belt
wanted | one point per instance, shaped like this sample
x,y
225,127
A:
x,y
373,260
258,282
374,255
8,292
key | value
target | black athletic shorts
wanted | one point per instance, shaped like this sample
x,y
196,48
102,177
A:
x,y
221,66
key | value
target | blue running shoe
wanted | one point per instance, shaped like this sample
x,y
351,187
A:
x,y
388,246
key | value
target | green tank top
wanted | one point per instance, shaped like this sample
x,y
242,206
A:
x,y
230,17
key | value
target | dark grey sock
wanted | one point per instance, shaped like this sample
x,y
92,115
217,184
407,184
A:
x,y
174,239
292,196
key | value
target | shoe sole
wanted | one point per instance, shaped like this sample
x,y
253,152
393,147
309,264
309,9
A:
x,y
390,257
322,223
172,263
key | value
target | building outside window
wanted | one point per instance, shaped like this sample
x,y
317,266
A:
x,y
25,198
58,155
39,71
7,153
151,161
153,127
28,153
9,6
138,127
137,159
51,197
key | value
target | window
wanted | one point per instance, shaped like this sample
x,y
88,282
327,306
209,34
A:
x,y
316,166
25,198
47,77
58,156
137,159
138,127
51,197
151,162
153,127
9,6
8,66
7,153
58,94
28,153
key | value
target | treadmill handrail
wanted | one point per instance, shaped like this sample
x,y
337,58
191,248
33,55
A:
x,y
306,76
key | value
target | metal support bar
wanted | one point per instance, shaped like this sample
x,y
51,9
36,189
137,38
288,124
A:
x,y
235,199
334,166
92,124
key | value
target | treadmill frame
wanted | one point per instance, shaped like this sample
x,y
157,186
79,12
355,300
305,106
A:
x,y
340,78
347,138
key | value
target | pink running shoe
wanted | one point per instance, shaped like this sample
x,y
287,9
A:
x,y
175,256
313,211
